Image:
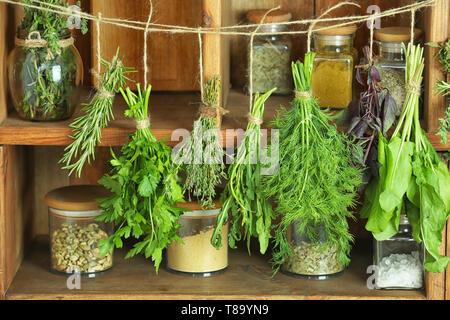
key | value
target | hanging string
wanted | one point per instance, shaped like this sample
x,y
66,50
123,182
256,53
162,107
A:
x,y
413,23
250,63
200,45
145,45
372,26
99,57
313,24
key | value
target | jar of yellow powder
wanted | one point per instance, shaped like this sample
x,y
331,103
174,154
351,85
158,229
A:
x,y
332,77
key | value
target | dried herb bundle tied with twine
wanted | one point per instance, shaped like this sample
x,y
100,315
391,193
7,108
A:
x,y
243,196
315,185
87,128
145,188
202,152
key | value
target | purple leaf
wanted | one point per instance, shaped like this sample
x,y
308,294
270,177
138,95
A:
x,y
360,129
389,112
353,124
374,74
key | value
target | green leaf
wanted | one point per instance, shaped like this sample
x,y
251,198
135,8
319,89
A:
x,y
146,187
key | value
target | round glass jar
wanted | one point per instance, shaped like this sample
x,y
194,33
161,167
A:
x,y
45,84
399,260
332,76
74,233
196,256
310,260
271,53
391,62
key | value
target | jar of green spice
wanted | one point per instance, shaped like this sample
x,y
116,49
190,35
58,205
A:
x,y
271,53
391,61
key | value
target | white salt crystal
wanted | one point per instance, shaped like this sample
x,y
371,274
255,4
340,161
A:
x,y
400,271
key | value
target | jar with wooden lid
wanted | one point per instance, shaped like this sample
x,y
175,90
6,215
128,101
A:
x,y
196,256
391,63
271,53
332,76
74,233
399,260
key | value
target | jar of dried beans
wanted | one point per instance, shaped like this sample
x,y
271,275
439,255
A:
x,y
332,76
74,233
196,256
271,67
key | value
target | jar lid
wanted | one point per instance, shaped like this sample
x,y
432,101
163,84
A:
x,y
76,198
273,17
338,31
396,34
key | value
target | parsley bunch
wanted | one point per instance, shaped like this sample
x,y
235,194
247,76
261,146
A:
x,y
315,185
145,189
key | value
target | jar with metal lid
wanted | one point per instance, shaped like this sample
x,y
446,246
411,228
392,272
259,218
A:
x,y
74,233
391,62
399,260
196,256
271,53
311,259
332,76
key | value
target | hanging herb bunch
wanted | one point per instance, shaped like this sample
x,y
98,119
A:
x,y
202,152
375,111
243,200
316,184
87,129
411,177
145,188
45,68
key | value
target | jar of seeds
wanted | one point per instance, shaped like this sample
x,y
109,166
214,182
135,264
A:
x,y
74,233
271,53
391,62
311,259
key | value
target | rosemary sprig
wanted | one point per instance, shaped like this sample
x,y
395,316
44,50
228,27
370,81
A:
x,y
87,132
243,196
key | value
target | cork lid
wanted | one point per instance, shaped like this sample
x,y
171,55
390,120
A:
x,y
275,16
396,34
76,198
338,31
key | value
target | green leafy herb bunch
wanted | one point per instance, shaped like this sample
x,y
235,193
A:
x,y
316,184
412,178
243,201
145,188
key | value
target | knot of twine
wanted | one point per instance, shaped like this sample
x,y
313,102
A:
x,y
101,91
38,42
254,120
304,94
142,124
212,111
413,87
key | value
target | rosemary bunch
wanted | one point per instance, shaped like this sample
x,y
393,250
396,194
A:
x,y
243,196
145,189
203,152
87,132
315,185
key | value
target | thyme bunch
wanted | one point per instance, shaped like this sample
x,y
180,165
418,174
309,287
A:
x,y
243,196
315,185
87,129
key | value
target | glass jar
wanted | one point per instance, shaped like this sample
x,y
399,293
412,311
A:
x,y
45,84
332,76
311,260
399,260
74,233
196,256
391,62
271,54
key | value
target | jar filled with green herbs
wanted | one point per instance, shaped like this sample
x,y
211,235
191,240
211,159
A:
x,y
312,256
271,66
391,61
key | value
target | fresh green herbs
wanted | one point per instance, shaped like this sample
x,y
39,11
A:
x,y
243,195
49,72
315,185
412,177
203,152
145,189
87,128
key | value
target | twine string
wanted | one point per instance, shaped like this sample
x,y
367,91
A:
x,y
147,30
372,26
413,23
308,95
254,120
99,57
143,124
200,45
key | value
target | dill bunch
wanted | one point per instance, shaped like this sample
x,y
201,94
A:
x,y
315,185
203,152
243,196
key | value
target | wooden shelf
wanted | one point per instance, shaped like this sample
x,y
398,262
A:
x,y
169,111
246,278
